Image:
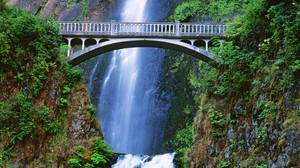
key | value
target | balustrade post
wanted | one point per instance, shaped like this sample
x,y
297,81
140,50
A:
x,y
224,28
177,28
68,26
112,27
61,27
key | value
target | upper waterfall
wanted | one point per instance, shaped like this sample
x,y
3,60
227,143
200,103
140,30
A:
x,y
127,108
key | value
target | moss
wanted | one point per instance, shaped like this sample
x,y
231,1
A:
x,y
288,122
282,143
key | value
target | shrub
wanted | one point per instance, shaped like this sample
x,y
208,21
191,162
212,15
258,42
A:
x,y
101,155
225,164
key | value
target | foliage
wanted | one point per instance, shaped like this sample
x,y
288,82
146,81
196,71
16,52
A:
x,y
262,134
27,120
205,10
74,162
261,166
23,35
181,80
259,68
255,60
218,121
225,164
66,89
63,101
266,107
101,155
36,84
183,137
186,10
181,143
181,159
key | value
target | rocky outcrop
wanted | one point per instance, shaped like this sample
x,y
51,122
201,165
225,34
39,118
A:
x,y
249,137
96,10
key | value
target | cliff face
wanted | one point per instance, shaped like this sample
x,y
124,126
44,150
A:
x,y
46,117
234,133
249,110
245,110
66,10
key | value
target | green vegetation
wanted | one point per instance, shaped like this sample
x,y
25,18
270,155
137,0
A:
x,y
225,164
39,91
254,89
218,121
261,166
208,10
179,134
95,155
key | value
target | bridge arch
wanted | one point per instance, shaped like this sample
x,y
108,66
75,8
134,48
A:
x,y
114,44
90,42
109,36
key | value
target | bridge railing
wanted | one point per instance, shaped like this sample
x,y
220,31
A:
x,y
147,29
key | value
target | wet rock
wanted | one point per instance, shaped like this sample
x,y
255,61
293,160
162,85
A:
x,y
227,152
287,101
239,108
230,135
52,94
211,150
30,5
72,13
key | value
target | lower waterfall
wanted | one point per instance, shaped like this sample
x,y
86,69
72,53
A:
x,y
135,161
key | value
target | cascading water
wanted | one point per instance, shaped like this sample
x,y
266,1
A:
x,y
158,161
127,107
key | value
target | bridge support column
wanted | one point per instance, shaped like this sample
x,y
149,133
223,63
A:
x,y
206,44
83,43
192,42
97,40
221,42
69,46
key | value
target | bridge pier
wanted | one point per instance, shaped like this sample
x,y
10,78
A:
x,y
83,43
221,42
69,46
97,40
206,44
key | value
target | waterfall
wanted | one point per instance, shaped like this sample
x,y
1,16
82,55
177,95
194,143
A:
x,y
131,119
127,110
92,74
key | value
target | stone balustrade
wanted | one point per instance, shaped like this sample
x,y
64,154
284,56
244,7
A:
x,y
142,29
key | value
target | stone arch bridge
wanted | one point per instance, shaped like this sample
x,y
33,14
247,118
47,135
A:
x,y
99,37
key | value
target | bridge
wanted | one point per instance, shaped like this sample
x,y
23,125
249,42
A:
x,y
96,38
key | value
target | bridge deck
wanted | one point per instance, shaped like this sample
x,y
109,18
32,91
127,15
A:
x,y
139,29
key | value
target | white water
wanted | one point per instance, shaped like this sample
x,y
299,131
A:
x,y
134,161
